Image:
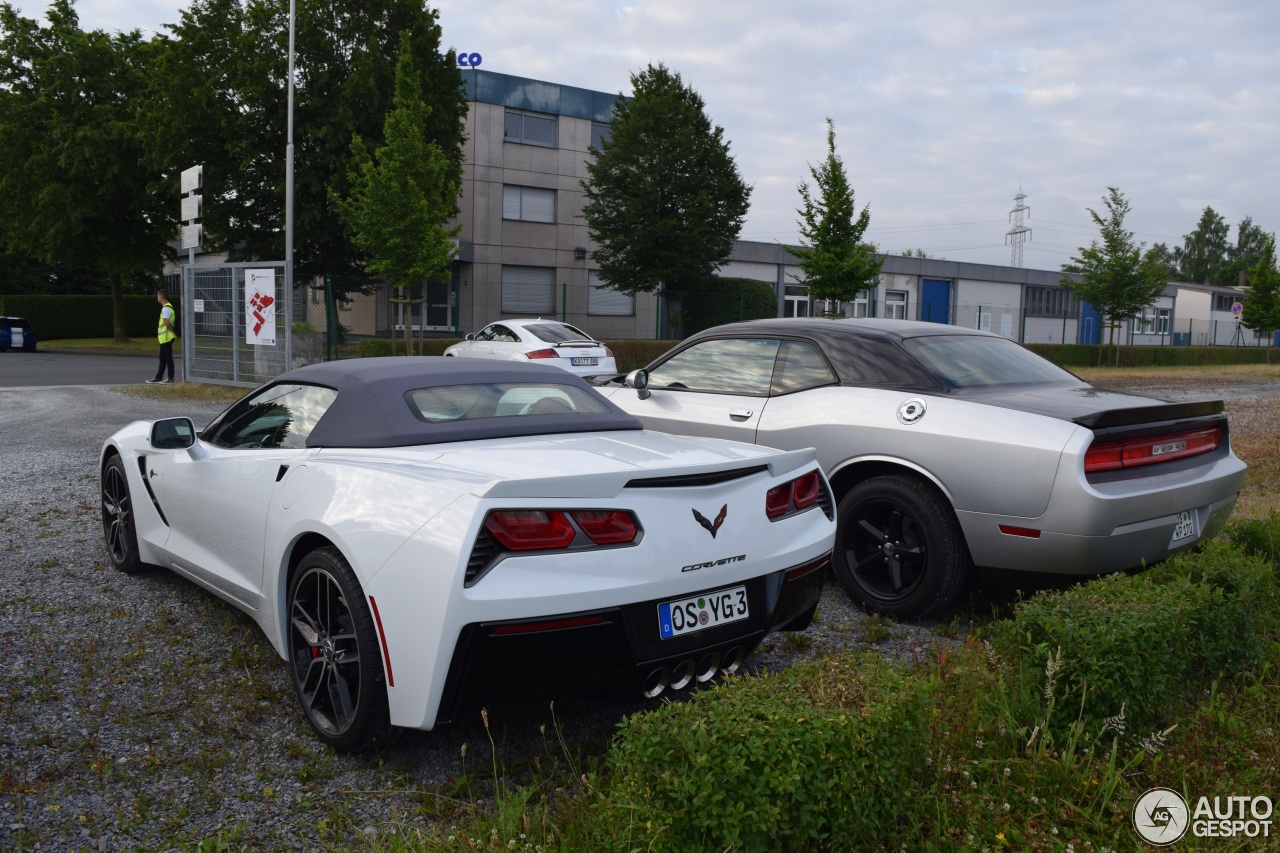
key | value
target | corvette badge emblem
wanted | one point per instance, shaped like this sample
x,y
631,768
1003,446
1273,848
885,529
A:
x,y
712,527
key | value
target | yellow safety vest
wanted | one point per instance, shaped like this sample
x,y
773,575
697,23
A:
x,y
162,333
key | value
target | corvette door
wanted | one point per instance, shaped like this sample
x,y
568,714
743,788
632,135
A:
x,y
717,388
217,499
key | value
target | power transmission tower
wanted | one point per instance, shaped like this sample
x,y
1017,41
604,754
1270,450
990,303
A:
x,y
1019,233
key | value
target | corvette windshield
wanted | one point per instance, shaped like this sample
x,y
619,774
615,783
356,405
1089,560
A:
x,y
500,400
968,361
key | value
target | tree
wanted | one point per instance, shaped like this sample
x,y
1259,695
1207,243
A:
x,y
1251,242
402,194
223,104
1262,304
664,200
76,179
1116,277
1203,253
836,263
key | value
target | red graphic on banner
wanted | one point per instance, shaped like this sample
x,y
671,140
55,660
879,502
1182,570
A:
x,y
259,303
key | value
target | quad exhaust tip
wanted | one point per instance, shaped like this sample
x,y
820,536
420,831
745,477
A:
x,y
688,672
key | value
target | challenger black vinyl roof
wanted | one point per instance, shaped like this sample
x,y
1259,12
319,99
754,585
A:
x,y
371,409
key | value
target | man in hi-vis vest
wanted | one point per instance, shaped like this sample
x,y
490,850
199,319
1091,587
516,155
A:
x,y
165,333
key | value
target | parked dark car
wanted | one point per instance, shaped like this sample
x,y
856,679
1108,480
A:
x,y
16,333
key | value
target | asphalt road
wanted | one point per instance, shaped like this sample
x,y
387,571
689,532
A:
x,y
43,369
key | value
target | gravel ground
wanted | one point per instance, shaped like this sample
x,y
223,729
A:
x,y
141,712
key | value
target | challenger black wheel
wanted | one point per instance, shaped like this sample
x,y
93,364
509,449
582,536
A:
x,y
118,523
899,549
334,654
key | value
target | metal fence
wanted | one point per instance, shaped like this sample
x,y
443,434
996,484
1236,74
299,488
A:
x,y
220,315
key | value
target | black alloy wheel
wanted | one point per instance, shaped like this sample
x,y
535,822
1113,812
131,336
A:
x,y
899,550
118,525
334,654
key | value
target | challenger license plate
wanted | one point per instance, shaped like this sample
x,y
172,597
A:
x,y
702,611
584,361
1185,528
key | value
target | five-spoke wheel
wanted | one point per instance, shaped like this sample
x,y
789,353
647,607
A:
x,y
333,654
899,549
118,527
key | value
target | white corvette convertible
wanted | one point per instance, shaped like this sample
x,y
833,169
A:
x,y
417,535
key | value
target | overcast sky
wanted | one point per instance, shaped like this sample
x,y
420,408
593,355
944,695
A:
x,y
942,109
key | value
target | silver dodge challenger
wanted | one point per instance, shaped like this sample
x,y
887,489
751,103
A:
x,y
950,449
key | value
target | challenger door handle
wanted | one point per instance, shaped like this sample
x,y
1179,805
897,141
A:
x,y
740,414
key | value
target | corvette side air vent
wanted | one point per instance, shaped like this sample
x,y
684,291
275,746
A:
x,y
824,500
483,554
710,479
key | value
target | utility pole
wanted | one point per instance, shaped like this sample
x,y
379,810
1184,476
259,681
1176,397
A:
x,y
1018,234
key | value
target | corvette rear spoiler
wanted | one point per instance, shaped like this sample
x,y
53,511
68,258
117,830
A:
x,y
610,485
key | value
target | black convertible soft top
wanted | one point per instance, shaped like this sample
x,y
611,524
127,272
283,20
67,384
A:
x,y
371,409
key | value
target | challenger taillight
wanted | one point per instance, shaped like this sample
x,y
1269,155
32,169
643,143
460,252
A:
x,y
1132,452
800,493
542,353
551,530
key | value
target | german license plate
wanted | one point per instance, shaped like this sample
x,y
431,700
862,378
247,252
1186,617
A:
x,y
1185,528
702,611
584,361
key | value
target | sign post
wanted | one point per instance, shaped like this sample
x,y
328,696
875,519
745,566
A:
x,y
192,236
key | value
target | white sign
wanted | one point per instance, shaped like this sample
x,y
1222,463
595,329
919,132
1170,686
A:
x,y
260,307
191,207
192,179
191,235
199,303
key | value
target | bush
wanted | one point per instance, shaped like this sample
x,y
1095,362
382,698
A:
x,y
631,355
822,755
1144,642
1086,355
62,317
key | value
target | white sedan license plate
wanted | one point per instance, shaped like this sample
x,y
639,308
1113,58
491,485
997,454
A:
x,y
1185,528
583,361
702,611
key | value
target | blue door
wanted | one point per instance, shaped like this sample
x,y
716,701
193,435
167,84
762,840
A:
x,y
935,300
1090,324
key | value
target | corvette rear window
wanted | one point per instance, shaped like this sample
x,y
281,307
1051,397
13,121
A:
x,y
448,403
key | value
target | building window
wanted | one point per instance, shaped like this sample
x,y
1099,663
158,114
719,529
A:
x,y
1050,302
862,305
600,134
529,204
895,304
530,129
1163,316
1224,301
605,301
528,290
796,300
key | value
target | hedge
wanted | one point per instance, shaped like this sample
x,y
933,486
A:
x,y
1086,355
63,317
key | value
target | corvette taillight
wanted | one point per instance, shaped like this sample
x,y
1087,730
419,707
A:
x,y
530,530
605,527
552,530
1132,452
800,493
542,353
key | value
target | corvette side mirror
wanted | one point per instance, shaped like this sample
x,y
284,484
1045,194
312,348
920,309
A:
x,y
639,380
173,434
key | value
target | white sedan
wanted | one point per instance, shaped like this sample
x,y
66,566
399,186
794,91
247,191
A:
x,y
419,535
544,341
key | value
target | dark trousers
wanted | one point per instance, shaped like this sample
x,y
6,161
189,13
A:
x,y
166,360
